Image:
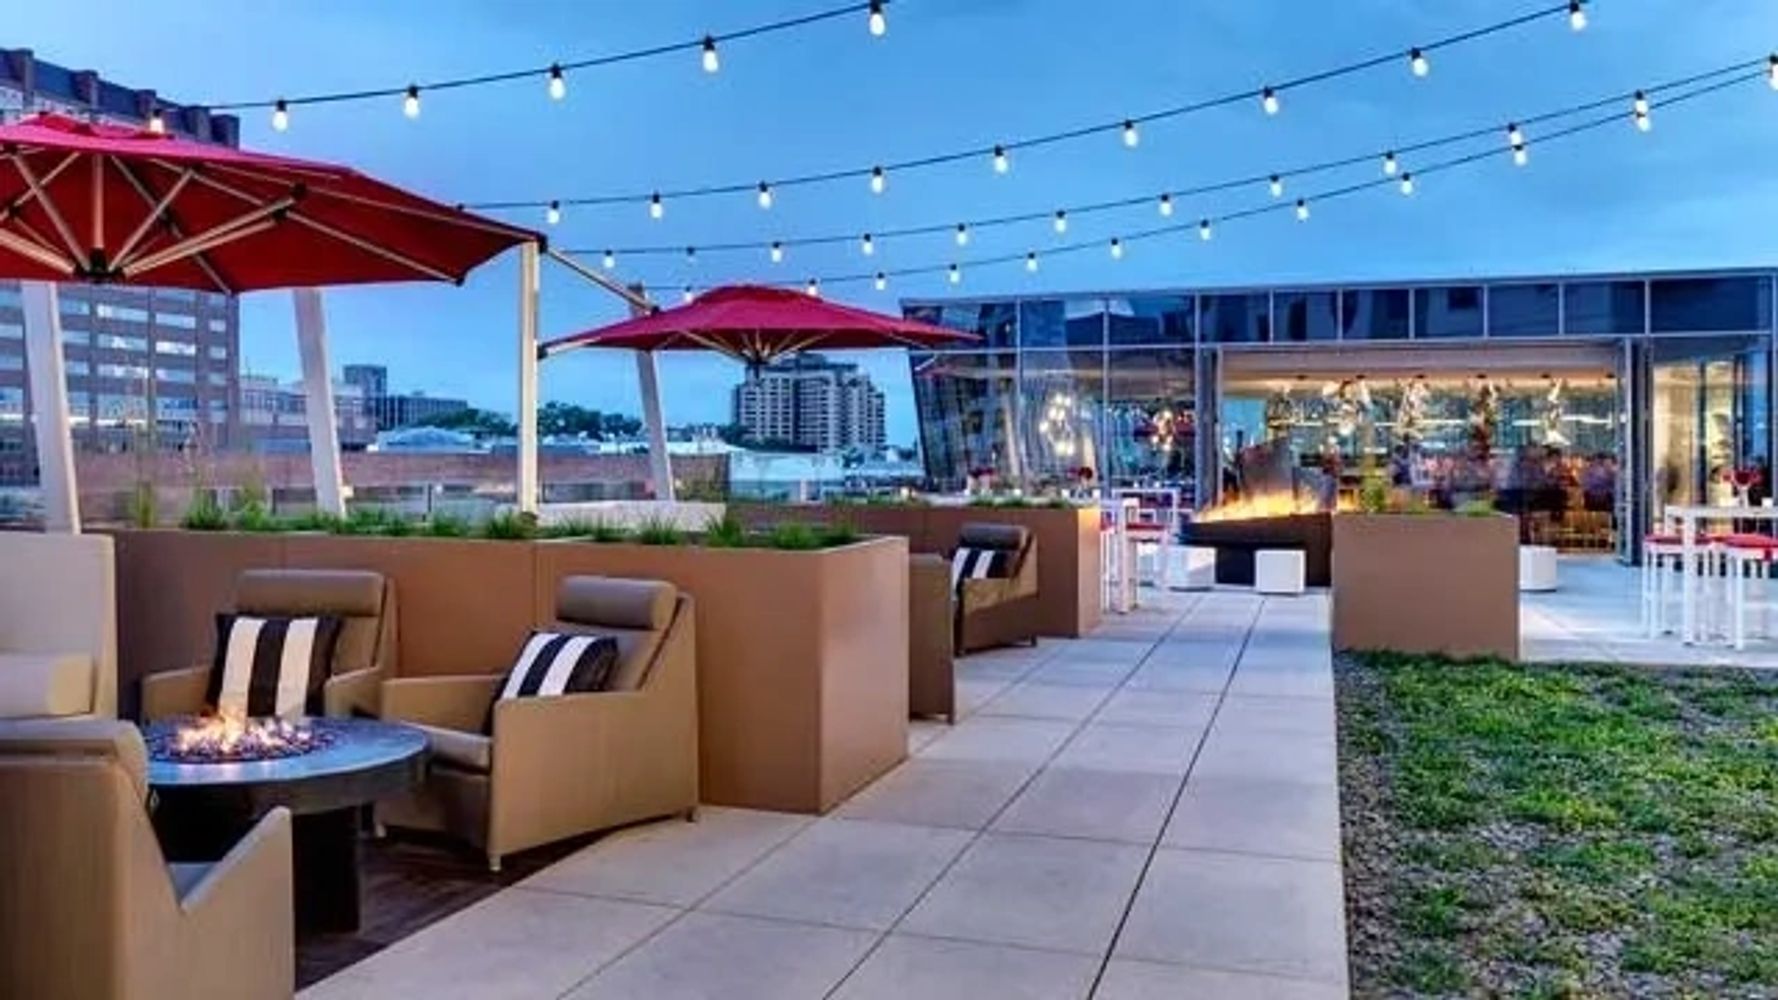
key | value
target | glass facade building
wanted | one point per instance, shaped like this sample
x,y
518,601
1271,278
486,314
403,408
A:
x,y
1583,403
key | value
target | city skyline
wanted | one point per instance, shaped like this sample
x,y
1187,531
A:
x,y
1690,194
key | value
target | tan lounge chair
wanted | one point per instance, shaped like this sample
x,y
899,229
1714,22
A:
x,y
561,766
364,656
932,685
58,626
91,909
999,611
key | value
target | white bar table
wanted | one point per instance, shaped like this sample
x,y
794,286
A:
x,y
1688,517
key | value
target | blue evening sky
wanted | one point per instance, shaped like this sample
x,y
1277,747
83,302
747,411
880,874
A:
x,y
1700,190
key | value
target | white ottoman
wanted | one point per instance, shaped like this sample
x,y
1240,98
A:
x,y
1278,571
1537,568
1200,567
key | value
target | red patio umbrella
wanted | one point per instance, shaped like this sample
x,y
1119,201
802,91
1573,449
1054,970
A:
x,y
755,324
105,203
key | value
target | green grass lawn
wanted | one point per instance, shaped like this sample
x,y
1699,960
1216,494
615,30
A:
x,y
1559,831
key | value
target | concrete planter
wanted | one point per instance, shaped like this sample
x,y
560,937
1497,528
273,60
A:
x,y
1438,583
1068,541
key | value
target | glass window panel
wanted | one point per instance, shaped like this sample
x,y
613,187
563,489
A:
x,y
75,307
967,410
1603,307
1061,395
130,314
1375,314
1448,312
114,342
1062,323
183,321
9,295
1237,319
1149,417
15,362
1303,316
1524,310
992,321
175,347
1709,305
1165,319
12,331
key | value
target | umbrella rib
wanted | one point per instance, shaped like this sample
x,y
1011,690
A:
x,y
242,225
48,179
142,189
49,207
328,229
42,255
155,210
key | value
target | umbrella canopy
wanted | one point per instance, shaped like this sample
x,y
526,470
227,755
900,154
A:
x,y
754,324
102,203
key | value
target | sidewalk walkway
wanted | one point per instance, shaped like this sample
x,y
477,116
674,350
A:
x,y
1150,812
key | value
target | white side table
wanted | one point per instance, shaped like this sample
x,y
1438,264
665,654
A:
x,y
1537,568
1278,571
1200,567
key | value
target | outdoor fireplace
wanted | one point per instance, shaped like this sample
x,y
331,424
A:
x,y
1281,520
233,739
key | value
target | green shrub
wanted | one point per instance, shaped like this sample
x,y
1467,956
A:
x,y
509,527
572,527
1373,493
794,536
659,531
607,533
371,521
1477,508
314,520
725,532
835,535
144,505
257,520
446,526
204,514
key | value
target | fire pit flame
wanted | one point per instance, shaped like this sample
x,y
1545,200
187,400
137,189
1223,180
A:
x,y
1270,504
231,737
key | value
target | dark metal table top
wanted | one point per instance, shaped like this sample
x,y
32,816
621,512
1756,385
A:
x,y
368,759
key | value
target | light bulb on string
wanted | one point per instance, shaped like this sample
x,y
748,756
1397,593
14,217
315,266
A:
x,y
157,122
281,115
691,255
765,195
1302,210
1268,99
610,261
685,295
558,84
813,288
1031,262
1276,186
1204,230
1166,205
1644,123
777,252
1117,249
1521,155
956,274
1772,70
882,282
1061,222
1577,15
1131,137
410,104
962,235
553,214
656,207
1640,104
1390,166
1514,137
1418,64
710,60
1407,183
867,246
1001,163
878,180
878,22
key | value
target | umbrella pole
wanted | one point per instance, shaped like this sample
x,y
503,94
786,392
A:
x,y
324,431
49,407
529,279
659,464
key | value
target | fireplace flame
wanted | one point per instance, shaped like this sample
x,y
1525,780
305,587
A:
x,y
1270,504
229,736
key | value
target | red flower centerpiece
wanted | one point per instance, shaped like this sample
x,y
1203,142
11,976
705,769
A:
x,y
1743,480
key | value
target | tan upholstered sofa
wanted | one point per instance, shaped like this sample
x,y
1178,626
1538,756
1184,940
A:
x,y
999,611
560,766
364,656
92,911
58,626
932,684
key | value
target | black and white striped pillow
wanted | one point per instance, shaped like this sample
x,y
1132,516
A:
x,y
979,564
556,663
271,666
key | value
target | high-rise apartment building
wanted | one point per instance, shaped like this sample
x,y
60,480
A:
x,y
146,367
807,401
391,411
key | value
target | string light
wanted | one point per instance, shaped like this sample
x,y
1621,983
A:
x,y
610,261
1643,122
1302,210
1639,112
1031,262
1772,70
1166,206
1117,249
956,274
710,60
765,195
1521,155
1001,163
1640,103
878,180
1418,64
554,214
1061,222
879,24
1577,15
1407,183
1204,230
777,252
1276,184
1131,137
1268,99
686,296
281,115
656,207
1514,137
558,84
882,282
691,255
1389,164
962,235
410,104
157,123
813,289
867,245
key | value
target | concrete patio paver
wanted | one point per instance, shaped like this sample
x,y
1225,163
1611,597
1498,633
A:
x,y
706,955
906,966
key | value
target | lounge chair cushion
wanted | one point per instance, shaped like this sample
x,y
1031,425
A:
x,y
613,602
101,738
271,666
979,564
356,597
45,684
557,663
466,751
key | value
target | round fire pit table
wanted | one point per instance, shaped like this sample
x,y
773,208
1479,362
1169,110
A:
x,y
203,807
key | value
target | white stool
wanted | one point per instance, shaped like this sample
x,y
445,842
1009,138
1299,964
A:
x,y
1746,555
1537,568
1661,555
1200,567
1278,571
